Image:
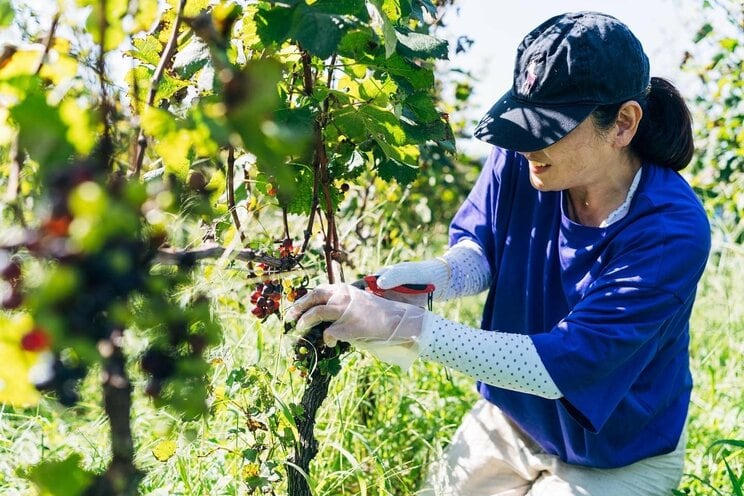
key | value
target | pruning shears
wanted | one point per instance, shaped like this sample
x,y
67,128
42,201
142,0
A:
x,y
370,282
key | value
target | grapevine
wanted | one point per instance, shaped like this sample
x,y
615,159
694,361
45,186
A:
x,y
232,113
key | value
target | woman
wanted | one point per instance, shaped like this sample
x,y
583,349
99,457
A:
x,y
591,246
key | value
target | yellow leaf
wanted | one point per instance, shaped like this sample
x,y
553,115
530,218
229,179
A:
x,y
81,130
251,470
174,148
164,450
15,387
147,13
22,62
59,71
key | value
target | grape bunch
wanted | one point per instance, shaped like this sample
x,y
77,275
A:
x,y
266,297
160,366
10,282
63,380
286,249
310,351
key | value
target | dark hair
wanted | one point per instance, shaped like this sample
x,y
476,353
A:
x,y
664,134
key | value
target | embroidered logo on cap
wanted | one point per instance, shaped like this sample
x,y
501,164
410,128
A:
x,y
530,78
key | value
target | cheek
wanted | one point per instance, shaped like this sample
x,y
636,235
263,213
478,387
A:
x,y
536,182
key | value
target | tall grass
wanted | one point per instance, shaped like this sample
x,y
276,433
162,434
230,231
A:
x,y
380,427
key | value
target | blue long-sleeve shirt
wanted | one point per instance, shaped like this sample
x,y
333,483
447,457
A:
x,y
607,308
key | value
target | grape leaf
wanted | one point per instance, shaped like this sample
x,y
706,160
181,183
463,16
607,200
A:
x,y
422,105
6,13
390,169
15,387
164,450
419,45
318,32
273,25
61,477
409,76
43,134
302,185
383,125
147,49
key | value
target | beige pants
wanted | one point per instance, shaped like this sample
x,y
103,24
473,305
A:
x,y
490,456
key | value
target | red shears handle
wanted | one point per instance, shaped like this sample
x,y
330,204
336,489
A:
x,y
371,281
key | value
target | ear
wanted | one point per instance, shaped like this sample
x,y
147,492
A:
x,y
628,118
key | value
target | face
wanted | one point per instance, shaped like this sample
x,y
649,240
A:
x,y
578,160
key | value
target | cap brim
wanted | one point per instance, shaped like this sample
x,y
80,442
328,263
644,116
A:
x,y
525,126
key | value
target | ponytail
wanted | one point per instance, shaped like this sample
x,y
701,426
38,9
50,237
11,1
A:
x,y
664,135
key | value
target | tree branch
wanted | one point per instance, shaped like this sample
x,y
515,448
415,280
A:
x,y
187,257
155,82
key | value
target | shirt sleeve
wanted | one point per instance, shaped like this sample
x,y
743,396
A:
x,y
475,218
501,359
468,270
638,304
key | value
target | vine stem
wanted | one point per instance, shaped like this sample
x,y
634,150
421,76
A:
x,y
231,191
187,257
165,58
121,477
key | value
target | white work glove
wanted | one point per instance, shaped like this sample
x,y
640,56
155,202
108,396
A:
x,y
463,270
434,272
388,329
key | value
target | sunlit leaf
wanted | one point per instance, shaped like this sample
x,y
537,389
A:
x,y
15,387
273,25
20,62
175,149
164,450
61,70
43,133
420,45
157,122
81,130
192,8
6,13
147,49
383,124
147,13
60,477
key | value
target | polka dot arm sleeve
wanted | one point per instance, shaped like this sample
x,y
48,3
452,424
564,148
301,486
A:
x,y
468,270
501,359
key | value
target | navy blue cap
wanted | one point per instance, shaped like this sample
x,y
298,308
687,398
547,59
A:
x,y
565,68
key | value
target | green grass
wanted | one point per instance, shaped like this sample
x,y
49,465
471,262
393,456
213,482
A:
x,y
379,427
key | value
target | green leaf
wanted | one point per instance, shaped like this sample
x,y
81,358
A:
x,y
6,13
389,11
42,132
318,32
729,44
351,124
383,124
302,186
704,31
418,45
404,155
390,169
361,44
436,130
418,7
408,75
147,49
356,8
61,477
422,105
273,25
